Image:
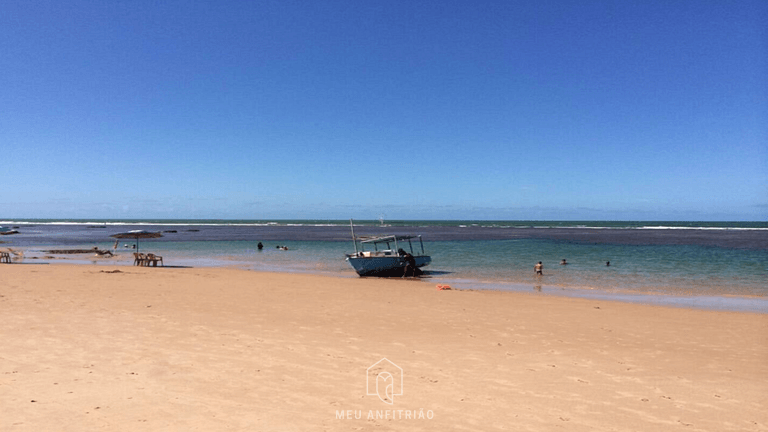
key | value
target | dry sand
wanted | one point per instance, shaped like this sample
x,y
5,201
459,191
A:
x,y
213,349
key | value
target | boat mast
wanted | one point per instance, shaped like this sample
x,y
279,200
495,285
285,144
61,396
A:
x,y
354,240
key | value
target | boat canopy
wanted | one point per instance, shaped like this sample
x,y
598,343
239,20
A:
x,y
377,240
387,239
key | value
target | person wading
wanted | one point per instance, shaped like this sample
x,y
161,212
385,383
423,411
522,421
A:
x,y
410,264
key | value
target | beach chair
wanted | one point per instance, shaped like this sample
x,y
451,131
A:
x,y
5,257
152,258
139,259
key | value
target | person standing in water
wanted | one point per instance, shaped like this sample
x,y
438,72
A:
x,y
410,264
539,269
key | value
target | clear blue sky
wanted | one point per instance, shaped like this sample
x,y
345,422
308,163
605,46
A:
x,y
632,110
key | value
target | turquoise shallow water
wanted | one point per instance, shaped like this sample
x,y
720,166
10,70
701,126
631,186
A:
x,y
675,261
665,269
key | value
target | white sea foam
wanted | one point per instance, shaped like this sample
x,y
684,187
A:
x,y
172,224
181,223
703,228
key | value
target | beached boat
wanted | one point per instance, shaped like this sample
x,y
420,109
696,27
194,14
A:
x,y
389,260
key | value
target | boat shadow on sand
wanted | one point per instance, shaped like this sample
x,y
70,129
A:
x,y
398,273
437,272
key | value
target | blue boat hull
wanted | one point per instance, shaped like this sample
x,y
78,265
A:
x,y
384,265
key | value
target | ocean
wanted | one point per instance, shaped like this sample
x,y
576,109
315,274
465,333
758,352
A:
x,y
702,264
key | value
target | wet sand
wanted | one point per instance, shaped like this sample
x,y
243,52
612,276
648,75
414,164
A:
x,y
124,348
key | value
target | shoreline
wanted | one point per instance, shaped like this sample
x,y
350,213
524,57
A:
x,y
705,301
86,347
675,263
723,302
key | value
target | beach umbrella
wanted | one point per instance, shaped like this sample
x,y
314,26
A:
x,y
137,234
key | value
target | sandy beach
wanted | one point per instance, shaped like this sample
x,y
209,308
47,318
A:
x,y
124,348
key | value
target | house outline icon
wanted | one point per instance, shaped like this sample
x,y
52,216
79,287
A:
x,y
384,366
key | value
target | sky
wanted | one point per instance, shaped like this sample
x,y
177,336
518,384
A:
x,y
496,110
